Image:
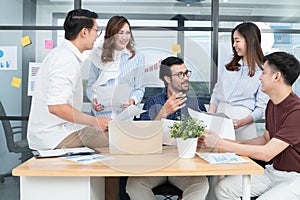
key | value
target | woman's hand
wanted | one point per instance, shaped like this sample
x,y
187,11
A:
x,y
237,123
96,106
130,102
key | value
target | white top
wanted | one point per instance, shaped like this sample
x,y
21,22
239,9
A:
x,y
110,70
237,88
121,71
59,81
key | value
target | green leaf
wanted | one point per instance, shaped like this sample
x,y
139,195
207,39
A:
x,y
187,128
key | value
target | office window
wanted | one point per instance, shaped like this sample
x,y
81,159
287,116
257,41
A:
x,y
45,10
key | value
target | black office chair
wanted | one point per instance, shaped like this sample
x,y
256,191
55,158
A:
x,y
15,139
168,191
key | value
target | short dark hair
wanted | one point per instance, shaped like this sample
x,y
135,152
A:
x,y
77,20
286,64
165,67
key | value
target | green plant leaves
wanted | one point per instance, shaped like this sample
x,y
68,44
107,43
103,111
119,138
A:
x,y
187,128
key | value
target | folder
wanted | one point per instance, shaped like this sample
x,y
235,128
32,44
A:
x,y
63,152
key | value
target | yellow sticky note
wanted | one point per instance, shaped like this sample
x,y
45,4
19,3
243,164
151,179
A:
x,y
176,49
16,82
25,40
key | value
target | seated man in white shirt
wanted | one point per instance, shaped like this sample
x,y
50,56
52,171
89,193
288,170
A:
x,y
55,118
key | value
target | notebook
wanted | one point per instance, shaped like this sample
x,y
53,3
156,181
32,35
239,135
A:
x,y
135,137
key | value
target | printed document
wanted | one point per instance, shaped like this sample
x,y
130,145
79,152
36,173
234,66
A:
x,y
217,158
113,97
87,159
220,125
128,113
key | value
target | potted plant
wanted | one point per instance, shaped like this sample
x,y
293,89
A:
x,y
186,133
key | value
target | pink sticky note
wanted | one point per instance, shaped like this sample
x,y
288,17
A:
x,y
49,44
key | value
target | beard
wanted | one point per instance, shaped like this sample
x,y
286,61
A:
x,y
184,89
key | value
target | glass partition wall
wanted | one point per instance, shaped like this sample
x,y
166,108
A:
x,y
199,32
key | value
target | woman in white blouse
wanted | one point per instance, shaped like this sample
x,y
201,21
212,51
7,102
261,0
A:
x,y
116,62
237,92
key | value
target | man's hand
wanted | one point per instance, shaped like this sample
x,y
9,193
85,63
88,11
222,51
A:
x,y
200,142
96,106
211,139
174,103
101,123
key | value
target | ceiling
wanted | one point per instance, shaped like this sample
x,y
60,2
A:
x,y
285,10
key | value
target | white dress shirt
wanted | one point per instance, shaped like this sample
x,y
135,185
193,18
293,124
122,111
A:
x,y
59,81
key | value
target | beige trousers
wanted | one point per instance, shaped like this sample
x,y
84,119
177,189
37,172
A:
x,y
193,187
272,185
88,137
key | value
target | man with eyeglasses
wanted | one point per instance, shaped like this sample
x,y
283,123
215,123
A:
x,y
55,119
98,30
171,104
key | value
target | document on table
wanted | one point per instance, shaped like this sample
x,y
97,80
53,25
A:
x,y
63,152
221,125
113,97
218,158
87,159
128,113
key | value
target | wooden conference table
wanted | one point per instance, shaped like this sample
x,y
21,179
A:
x,y
60,179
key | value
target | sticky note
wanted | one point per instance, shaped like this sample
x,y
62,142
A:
x,y
49,44
25,40
16,82
176,49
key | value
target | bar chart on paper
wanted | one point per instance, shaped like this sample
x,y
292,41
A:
x,y
8,58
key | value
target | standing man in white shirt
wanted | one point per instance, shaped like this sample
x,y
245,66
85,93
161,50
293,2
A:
x,y
55,119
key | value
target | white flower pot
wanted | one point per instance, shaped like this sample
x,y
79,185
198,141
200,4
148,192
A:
x,y
187,148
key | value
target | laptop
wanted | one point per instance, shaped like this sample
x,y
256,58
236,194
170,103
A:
x,y
135,137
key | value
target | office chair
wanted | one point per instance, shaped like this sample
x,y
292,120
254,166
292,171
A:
x,y
168,191
15,140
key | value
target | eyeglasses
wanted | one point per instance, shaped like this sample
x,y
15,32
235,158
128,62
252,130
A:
x,y
98,30
181,75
